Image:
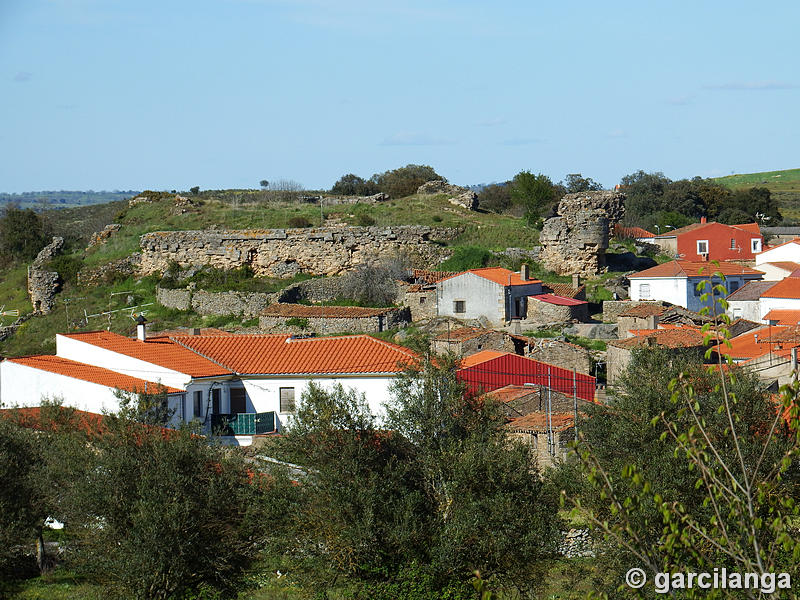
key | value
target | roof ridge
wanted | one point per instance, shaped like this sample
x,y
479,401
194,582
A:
x,y
208,358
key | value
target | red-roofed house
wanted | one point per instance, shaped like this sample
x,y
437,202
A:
x,y
786,252
211,377
784,295
712,241
676,282
494,293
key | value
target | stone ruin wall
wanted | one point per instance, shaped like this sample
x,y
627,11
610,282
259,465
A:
x,y
575,241
284,253
43,285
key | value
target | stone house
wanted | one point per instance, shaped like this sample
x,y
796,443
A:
x,y
547,435
558,352
639,316
325,320
469,340
618,353
419,295
493,293
546,309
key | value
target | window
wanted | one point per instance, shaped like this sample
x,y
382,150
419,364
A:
x,y
215,395
287,400
238,401
733,244
755,244
697,292
198,404
702,246
422,299
733,285
644,290
459,306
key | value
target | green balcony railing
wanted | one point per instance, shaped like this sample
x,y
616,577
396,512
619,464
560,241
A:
x,y
243,423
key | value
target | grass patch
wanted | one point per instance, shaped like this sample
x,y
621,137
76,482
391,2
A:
x,y
543,333
587,343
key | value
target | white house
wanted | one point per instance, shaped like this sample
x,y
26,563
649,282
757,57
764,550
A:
x,y
676,282
745,303
784,295
494,293
210,378
786,252
775,271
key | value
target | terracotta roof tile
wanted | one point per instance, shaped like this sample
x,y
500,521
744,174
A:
x,y
563,289
686,337
783,316
431,276
509,393
749,227
685,268
537,422
498,275
328,312
750,344
283,355
161,351
84,372
631,232
680,230
786,265
481,357
786,288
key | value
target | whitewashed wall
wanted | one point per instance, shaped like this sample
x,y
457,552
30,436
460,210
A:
x,y
787,252
482,297
669,289
768,304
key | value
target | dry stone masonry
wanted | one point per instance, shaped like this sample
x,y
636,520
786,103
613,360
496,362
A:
x,y
460,196
43,284
576,240
286,252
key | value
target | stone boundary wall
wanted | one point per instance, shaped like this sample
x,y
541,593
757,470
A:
x,y
328,325
287,252
242,304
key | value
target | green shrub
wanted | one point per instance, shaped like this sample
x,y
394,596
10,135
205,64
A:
x,y
365,220
299,222
466,257
297,322
67,267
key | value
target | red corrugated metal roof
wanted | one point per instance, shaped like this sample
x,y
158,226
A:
x,y
558,300
84,372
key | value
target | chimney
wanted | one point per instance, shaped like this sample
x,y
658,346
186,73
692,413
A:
x,y
576,280
524,273
141,330
196,331
702,220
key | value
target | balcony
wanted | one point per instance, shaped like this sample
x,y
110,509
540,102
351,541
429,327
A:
x,y
243,423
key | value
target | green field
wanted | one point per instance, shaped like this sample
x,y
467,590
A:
x,y
784,186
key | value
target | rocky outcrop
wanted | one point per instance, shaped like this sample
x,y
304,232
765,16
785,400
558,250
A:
x,y
374,199
460,196
101,237
575,241
43,285
286,252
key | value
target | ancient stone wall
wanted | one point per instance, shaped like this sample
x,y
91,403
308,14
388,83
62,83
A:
x,y
460,196
575,241
563,354
286,252
328,325
110,272
243,304
421,301
43,285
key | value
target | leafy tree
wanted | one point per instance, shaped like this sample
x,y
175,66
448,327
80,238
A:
x,y
535,192
353,185
575,182
405,180
195,190
178,515
495,197
23,233
264,184
692,468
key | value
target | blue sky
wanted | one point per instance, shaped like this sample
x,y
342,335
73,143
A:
x,y
107,94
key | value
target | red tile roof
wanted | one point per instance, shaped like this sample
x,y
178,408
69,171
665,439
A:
x,y
284,355
161,351
632,232
481,357
748,345
431,276
686,337
558,300
537,422
84,372
563,289
685,268
786,288
328,312
785,265
793,241
783,316
680,230
510,392
749,227
498,275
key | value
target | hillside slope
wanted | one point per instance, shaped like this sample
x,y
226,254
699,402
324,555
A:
x,y
783,185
